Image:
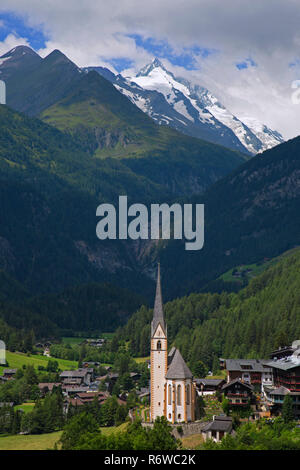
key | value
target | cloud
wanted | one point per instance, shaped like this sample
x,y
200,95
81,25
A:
x,y
10,42
116,32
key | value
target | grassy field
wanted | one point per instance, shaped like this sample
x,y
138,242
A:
x,y
43,441
110,430
221,375
29,442
192,442
141,359
17,360
26,407
72,340
249,271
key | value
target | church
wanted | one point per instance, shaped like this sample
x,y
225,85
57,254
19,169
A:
x,y
172,390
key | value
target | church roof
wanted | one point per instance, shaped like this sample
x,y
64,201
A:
x,y
178,368
158,313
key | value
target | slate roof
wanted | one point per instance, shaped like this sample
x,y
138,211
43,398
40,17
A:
x,y
74,373
158,313
250,387
255,364
220,423
178,368
207,382
285,364
9,371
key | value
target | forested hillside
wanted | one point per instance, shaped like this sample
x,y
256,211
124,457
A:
x,y
250,323
250,215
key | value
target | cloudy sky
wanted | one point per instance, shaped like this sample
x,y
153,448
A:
x,y
246,52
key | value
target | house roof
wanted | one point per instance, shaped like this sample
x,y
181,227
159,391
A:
x,y
220,423
48,385
247,365
74,373
9,371
158,313
178,368
250,387
285,364
207,382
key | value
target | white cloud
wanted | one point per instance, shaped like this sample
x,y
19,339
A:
x,y
10,42
92,32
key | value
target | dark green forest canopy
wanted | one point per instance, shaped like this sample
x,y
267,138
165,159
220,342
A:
x,y
248,324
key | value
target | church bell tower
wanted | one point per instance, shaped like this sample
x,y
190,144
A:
x,y
158,356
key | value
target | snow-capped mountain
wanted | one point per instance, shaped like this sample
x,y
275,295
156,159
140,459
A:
x,y
191,109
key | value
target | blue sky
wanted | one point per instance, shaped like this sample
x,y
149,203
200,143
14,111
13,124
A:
x,y
12,23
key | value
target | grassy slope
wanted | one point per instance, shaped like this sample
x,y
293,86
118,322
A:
x,y
30,442
26,407
17,360
256,268
94,103
44,441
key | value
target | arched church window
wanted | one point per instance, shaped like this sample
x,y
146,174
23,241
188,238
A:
x,y
179,395
188,394
169,395
158,345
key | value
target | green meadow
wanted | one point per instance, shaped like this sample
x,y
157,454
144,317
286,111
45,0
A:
x,y
16,360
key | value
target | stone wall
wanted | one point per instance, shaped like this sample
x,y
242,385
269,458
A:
x,y
188,429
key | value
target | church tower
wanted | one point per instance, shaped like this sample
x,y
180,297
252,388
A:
x,y
158,356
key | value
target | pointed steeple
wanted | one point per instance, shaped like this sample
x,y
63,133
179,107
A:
x,y
158,313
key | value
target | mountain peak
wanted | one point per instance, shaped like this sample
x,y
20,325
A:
x,y
57,57
19,51
147,69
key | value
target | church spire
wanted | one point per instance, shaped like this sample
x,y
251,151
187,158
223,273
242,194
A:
x,y
158,313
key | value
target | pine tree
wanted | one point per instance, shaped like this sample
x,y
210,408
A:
x,y
287,409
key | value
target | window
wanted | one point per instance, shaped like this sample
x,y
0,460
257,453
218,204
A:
x,y
179,395
158,345
169,415
179,416
187,394
169,395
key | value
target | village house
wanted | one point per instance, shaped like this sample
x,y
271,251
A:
x,y
238,393
219,427
89,364
285,367
9,373
46,387
209,386
255,372
77,377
